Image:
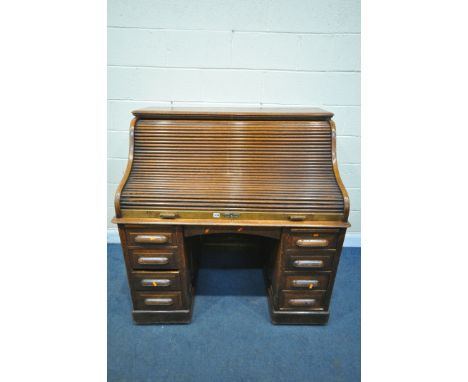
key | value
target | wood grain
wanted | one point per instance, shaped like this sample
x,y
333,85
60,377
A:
x,y
268,173
243,166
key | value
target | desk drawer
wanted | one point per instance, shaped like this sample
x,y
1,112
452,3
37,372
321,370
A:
x,y
155,259
158,301
295,260
155,281
312,239
152,237
311,300
305,281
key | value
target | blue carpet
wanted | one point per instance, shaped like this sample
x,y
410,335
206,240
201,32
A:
x,y
231,337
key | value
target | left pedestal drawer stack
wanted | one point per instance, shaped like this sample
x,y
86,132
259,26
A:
x,y
159,273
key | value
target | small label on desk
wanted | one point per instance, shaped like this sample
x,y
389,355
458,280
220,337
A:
x,y
216,214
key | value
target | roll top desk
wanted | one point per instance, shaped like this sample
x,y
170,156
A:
x,y
271,173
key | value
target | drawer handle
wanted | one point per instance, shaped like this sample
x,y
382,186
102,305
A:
x,y
302,301
155,239
167,216
297,218
316,243
308,263
305,283
159,301
155,282
153,260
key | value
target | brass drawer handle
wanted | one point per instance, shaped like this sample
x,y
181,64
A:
x,y
305,283
155,282
316,243
297,218
308,263
167,216
159,301
155,239
302,301
153,260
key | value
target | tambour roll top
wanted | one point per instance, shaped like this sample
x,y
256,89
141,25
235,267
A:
x,y
249,164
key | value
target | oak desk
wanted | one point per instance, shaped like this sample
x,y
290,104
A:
x,y
265,173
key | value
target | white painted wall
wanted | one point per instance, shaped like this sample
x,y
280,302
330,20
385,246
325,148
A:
x,y
235,52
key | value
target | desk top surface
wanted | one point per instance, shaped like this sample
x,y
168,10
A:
x,y
232,223
309,113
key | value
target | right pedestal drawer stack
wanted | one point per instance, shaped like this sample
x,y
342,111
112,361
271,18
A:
x,y
306,267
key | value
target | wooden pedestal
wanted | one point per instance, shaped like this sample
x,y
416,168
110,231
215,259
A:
x,y
299,274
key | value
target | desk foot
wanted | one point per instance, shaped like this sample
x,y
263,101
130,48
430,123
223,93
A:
x,y
299,317
162,317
